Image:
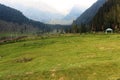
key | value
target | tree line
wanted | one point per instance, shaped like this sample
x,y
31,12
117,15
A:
x,y
9,27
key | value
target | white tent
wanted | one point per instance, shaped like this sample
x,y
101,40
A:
x,y
109,30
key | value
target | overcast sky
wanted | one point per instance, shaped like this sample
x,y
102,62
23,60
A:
x,y
62,6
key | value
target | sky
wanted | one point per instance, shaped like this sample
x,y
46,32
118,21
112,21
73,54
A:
x,y
62,6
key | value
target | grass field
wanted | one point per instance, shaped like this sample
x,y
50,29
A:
x,y
68,57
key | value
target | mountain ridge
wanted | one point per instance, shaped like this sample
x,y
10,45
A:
x,y
87,16
12,15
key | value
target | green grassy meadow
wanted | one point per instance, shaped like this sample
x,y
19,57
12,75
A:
x,y
66,57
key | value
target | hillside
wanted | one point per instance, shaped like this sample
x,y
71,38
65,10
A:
x,y
88,15
12,15
108,16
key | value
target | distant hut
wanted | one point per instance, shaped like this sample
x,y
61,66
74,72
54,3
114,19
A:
x,y
108,30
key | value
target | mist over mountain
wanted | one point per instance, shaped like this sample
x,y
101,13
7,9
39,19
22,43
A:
x,y
48,14
75,12
44,14
68,19
50,17
88,15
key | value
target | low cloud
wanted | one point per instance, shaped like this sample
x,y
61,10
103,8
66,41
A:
x,y
62,6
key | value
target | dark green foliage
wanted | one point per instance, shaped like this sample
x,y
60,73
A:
x,y
75,28
108,16
83,28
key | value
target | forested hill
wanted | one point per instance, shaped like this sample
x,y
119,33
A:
x,y
88,15
12,15
108,16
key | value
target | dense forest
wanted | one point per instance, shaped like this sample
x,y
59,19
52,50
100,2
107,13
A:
x,y
108,16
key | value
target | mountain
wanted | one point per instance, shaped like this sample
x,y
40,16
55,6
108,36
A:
x,y
47,14
43,13
12,15
44,16
88,15
108,16
12,20
74,13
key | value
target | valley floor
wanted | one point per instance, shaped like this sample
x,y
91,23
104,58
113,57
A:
x,y
73,57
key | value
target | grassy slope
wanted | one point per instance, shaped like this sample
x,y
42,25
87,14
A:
x,y
80,57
